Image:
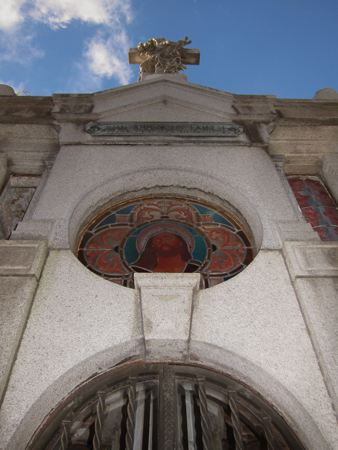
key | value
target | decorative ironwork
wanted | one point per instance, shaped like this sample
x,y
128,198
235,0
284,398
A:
x,y
202,129
218,413
131,414
165,234
236,420
206,429
269,432
99,420
168,407
65,434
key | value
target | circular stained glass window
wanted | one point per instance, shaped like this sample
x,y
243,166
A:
x,y
165,234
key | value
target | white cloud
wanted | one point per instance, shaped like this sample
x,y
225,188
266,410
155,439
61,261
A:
x,y
18,47
107,57
11,14
104,55
59,13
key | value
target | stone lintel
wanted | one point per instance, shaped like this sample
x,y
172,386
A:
x,y
296,230
192,56
40,230
22,258
166,302
311,259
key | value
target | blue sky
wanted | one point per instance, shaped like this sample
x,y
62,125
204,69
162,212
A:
x,y
287,48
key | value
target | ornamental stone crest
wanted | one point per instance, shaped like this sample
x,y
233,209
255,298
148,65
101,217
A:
x,y
166,55
163,56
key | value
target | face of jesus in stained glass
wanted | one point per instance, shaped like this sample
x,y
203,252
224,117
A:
x,y
165,252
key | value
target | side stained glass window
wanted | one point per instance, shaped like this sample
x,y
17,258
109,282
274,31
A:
x,y
317,205
165,234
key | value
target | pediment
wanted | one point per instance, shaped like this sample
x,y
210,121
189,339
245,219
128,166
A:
x,y
163,100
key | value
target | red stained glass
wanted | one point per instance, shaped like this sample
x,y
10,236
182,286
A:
x,y
312,216
327,233
303,199
166,234
318,207
315,185
332,215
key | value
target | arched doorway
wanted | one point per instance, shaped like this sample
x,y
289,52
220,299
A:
x,y
164,406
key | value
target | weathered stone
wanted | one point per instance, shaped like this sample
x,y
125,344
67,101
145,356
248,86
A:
x,y
6,90
326,94
256,320
14,202
15,301
3,170
88,322
166,302
329,173
319,302
22,258
307,259
296,231
267,327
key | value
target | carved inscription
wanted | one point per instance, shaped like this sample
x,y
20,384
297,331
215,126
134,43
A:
x,y
164,129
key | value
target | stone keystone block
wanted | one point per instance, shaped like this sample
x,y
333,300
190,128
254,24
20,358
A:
x,y
166,303
22,257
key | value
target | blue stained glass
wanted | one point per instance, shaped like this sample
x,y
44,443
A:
x,y
126,210
130,251
219,219
200,251
202,209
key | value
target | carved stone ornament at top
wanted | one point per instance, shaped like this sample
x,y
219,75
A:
x,y
163,54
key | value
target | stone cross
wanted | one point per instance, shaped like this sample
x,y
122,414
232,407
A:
x,y
163,56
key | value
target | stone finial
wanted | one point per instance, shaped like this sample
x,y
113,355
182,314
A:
x,y
6,90
326,94
163,56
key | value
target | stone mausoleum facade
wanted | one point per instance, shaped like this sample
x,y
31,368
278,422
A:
x,y
168,269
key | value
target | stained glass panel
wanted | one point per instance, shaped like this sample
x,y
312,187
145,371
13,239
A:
x,y
317,205
165,234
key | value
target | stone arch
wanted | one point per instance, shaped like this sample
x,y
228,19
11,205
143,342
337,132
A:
x,y
210,357
170,181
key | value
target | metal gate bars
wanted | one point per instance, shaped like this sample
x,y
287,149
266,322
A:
x,y
165,406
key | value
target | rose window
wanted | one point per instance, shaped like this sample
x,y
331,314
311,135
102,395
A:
x,y
165,234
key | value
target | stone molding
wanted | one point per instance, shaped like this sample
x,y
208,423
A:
x,y
34,230
22,258
21,264
309,259
297,230
314,270
330,173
